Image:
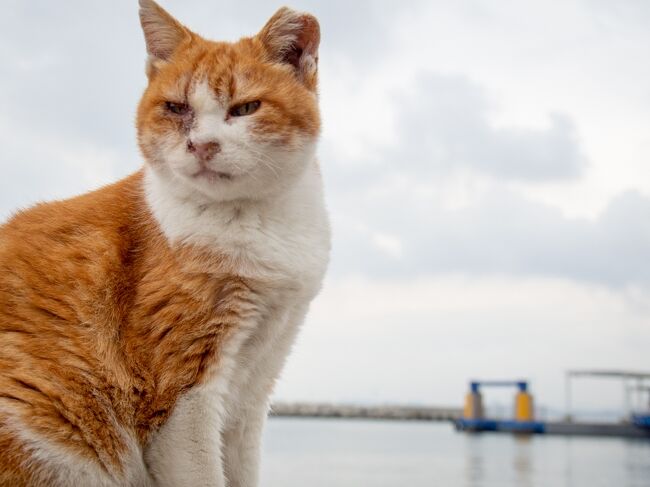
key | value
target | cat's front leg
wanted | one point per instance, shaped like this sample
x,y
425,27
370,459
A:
x,y
186,451
242,435
242,447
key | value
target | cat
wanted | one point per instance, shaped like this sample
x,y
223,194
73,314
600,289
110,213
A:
x,y
143,325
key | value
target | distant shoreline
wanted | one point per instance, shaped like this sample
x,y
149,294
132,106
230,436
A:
x,y
328,410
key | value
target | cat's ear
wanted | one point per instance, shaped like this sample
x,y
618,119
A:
x,y
292,38
162,34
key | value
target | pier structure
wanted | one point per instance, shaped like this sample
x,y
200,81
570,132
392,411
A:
x,y
633,382
523,417
635,424
523,402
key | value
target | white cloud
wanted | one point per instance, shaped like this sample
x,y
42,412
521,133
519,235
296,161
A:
x,y
389,244
444,126
496,231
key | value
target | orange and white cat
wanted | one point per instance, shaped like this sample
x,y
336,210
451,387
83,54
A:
x,y
143,325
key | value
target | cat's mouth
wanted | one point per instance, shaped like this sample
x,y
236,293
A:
x,y
212,175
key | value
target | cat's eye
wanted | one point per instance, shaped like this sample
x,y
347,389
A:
x,y
245,108
177,108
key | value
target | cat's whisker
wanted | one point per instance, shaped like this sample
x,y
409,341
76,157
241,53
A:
x,y
263,158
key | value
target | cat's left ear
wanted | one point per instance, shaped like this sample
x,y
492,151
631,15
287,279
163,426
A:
x,y
292,38
163,34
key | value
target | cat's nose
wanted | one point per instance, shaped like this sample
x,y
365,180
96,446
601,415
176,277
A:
x,y
205,151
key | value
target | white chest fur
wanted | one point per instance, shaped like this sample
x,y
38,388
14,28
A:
x,y
280,243
283,239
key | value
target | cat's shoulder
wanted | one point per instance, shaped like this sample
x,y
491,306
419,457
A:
x,y
100,223
104,206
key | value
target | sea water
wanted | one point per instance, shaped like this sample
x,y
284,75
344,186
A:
x,y
364,453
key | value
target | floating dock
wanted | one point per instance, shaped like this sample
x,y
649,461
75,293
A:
x,y
625,430
523,422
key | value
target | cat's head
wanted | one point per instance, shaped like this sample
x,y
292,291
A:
x,y
230,120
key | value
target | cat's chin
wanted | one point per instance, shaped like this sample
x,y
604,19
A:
x,y
216,186
210,186
212,176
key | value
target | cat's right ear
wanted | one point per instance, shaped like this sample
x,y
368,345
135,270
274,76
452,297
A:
x,y
162,34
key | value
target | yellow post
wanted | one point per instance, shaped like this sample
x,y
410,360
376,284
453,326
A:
x,y
473,406
524,410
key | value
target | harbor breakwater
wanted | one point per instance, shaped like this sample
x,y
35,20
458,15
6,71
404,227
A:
x,y
389,412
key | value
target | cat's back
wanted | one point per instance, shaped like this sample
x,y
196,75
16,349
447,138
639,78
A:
x,y
59,263
50,227
52,245
57,256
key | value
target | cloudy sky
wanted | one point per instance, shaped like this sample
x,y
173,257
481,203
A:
x,y
487,167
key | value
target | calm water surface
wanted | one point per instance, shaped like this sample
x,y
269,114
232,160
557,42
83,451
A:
x,y
349,453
